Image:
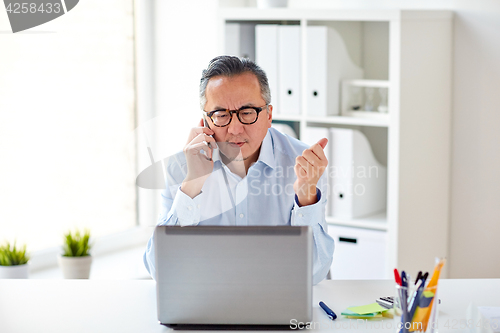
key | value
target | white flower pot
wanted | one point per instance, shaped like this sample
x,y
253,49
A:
x,y
271,3
75,267
14,272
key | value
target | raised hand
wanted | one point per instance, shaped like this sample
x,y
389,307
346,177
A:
x,y
309,167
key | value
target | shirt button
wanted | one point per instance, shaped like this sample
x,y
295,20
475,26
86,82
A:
x,y
300,215
198,206
241,215
190,208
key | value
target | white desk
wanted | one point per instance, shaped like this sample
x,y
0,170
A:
x,y
94,306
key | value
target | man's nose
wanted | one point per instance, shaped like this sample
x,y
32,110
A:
x,y
235,126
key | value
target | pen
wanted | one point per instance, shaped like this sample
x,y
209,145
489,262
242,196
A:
x,y
404,300
419,275
328,311
397,277
412,304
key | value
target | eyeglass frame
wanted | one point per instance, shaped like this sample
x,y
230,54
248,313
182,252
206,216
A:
x,y
231,112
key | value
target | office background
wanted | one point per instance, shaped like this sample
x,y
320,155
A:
x,y
113,102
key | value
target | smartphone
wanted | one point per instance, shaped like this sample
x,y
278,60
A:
x,y
208,144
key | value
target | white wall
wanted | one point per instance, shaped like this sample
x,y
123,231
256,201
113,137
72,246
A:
x,y
175,42
185,41
475,183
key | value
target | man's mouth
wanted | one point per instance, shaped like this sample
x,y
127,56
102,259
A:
x,y
239,144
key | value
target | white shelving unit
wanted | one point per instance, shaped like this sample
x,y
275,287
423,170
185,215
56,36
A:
x,y
374,222
409,52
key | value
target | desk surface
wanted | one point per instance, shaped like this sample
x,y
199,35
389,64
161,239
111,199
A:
x,y
130,306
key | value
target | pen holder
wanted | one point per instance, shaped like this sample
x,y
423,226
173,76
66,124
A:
x,y
419,313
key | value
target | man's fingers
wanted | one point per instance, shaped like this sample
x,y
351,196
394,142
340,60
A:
x,y
305,165
323,142
200,129
311,157
205,130
316,156
203,137
206,140
300,172
200,148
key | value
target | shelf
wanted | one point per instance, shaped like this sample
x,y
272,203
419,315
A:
x,y
368,83
356,121
391,44
322,14
374,119
258,14
375,222
379,116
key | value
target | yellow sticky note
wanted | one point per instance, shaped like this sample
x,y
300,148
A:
x,y
369,308
364,317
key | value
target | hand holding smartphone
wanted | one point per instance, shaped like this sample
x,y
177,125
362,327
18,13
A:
x,y
198,152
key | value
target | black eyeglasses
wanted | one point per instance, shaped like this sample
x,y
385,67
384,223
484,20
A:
x,y
246,115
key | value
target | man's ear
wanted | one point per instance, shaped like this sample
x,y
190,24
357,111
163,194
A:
x,y
269,115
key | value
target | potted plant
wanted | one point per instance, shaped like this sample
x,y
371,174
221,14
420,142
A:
x,y
76,260
13,262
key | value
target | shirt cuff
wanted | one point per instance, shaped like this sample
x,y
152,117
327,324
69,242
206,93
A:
x,y
307,215
187,209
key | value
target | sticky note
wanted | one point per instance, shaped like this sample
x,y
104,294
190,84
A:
x,y
348,312
364,317
369,308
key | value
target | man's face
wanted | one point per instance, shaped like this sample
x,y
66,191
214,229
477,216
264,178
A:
x,y
232,93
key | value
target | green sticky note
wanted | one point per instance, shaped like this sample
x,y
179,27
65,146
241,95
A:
x,y
369,308
348,312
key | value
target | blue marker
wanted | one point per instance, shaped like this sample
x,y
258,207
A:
x,y
328,311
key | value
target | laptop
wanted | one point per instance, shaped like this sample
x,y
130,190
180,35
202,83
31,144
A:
x,y
233,277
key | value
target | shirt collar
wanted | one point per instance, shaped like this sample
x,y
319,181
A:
x,y
266,154
266,151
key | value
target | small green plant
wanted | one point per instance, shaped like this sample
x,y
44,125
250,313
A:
x,y
12,256
77,244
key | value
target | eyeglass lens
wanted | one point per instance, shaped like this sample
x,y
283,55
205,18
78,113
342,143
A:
x,y
246,116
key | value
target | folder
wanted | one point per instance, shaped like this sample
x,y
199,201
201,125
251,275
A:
x,y
240,40
358,180
266,56
289,69
328,62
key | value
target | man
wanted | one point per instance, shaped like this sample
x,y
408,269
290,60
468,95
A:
x,y
237,170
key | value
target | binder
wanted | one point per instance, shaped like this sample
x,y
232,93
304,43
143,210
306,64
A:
x,y
358,180
289,69
240,40
266,56
328,63
311,136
